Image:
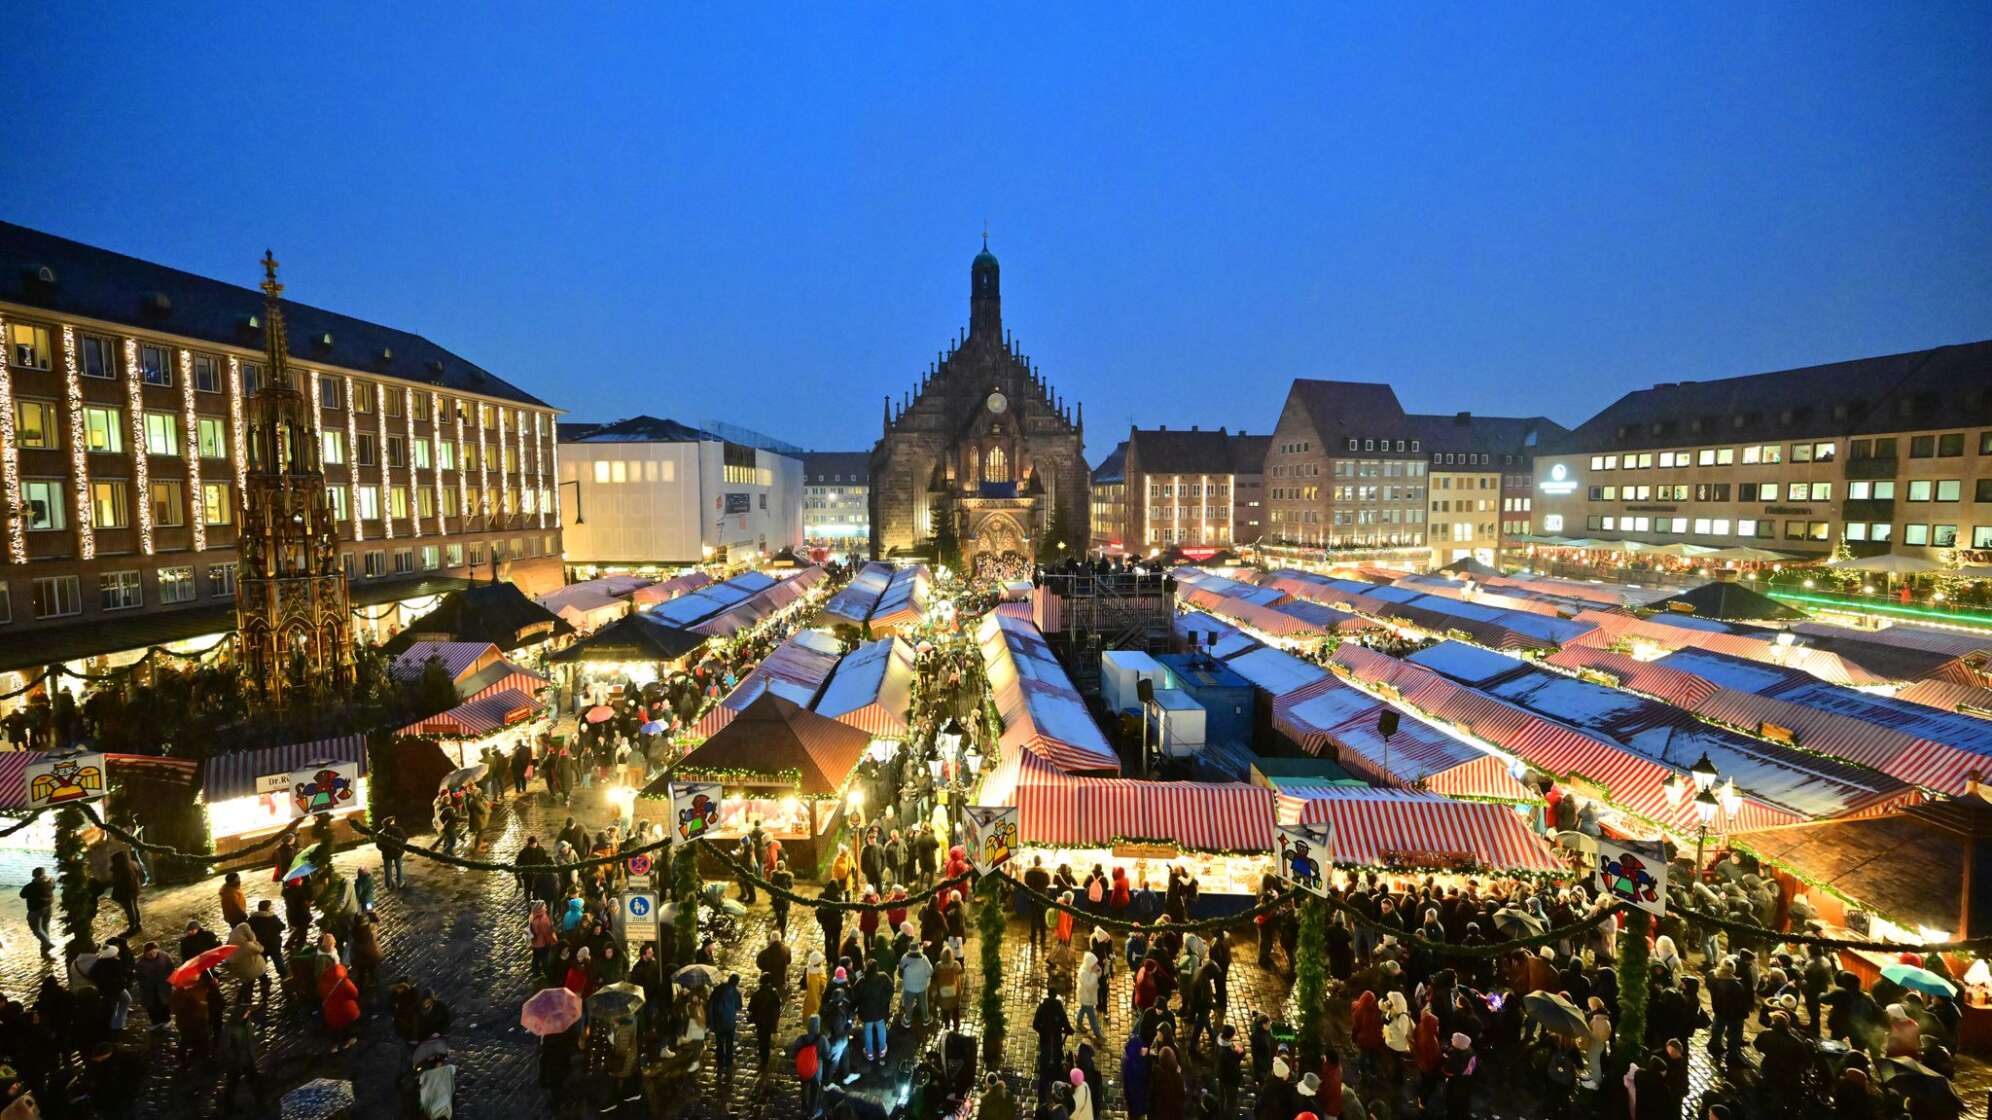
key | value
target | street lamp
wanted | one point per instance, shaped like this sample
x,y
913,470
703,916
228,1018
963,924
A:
x,y
1703,772
1705,807
949,738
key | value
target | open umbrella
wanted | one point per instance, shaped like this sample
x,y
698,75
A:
x,y
695,976
189,974
653,727
616,1000
600,713
1918,979
322,1099
1556,1014
301,866
1517,922
1912,1078
551,1011
1888,563
466,775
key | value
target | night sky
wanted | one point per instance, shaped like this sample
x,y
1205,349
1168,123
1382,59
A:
x,y
633,210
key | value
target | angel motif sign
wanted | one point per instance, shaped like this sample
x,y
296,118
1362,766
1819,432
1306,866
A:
x,y
694,809
1630,877
1303,855
64,781
990,834
325,787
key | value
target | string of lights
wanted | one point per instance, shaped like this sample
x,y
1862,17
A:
x,y
79,447
539,475
141,467
386,480
463,476
190,424
436,427
504,478
235,423
353,471
317,416
483,475
10,463
414,469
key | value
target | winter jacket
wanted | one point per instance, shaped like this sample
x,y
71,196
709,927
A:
x,y
915,972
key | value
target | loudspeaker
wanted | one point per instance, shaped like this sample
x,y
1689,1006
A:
x,y
1386,722
1144,688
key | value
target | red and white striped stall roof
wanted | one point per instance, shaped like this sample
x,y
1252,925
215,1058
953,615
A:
x,y
669,589
14,770
1913,759
1331,717
871,688
1039,707
1383,827
1671,685
492,712
1752,643
1055,807
459,659
517,680
1970,699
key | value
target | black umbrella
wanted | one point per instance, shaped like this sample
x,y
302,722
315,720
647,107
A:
x,y
1556,1014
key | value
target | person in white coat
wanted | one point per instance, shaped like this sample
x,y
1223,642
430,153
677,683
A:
x,y
1087,994
1082,1096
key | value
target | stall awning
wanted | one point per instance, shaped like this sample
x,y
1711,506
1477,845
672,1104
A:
x,y
794,671
459,659
1334,718
1671,685
670,589
1055,807
871,688
1679,631
1040,709
505,677
232,775
1381,828
14,771
491,712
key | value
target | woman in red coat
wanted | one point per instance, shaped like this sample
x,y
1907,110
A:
x,y
338,997
1366,1026
579,979
1427,1052
1119,896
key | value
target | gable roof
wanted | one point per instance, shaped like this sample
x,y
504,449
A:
x,y
1342,408
832,468
773,735
1936,388
1162,451
498,613
100,284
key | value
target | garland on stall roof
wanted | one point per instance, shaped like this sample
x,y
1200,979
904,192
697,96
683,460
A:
x,y
1979,945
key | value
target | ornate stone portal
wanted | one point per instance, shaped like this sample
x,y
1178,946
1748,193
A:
x,y
291,601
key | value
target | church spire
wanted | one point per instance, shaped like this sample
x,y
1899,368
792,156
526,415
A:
x,y
985,301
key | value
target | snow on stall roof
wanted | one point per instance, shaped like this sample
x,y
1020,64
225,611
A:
x,y
1466,664
1231,641
1334,707
1738,674
1274,671
1954,729
1953,642
876,672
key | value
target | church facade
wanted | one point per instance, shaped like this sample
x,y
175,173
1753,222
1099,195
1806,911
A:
x,y
983,454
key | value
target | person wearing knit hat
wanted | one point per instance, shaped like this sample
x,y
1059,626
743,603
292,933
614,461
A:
x,y
1310,1084
1280,1069
1461,1042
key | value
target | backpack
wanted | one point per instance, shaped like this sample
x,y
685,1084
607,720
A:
x,y
805,1062
1096,893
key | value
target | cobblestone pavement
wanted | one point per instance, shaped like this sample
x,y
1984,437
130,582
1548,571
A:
x,y
463,933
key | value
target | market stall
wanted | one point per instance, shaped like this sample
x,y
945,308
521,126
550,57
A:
x,y
871,688
1376,828
644,598
459,660
248,793
496,717
1330,718
794,671
589,605
1039,708
639,648
779,764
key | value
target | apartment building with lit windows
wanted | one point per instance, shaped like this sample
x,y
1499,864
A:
x,y
1191,489
836,502
1889,453
1109,503
122,396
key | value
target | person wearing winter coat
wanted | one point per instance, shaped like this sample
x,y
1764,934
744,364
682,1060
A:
x,y
1082,1096
1134,1077
947,989
872,998
248,962
723,1020
580,976
234,904
1905,1038
1086,994
1398,1029
764,1011
916,975
1366,1027
366,951
338,998
1598,1035
1427,1052
815,977
1053,1027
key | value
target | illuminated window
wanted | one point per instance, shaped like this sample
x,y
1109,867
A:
x,y
212,434
168,508
27,345
103,429
107,504
44,502
995,466
216,503
36,425
162,433
602,471
155,366
334,452
176,585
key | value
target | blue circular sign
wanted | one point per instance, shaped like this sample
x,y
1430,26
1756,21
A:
x,y
639,905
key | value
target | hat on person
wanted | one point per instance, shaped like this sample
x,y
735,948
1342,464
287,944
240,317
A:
x,y
1078,1078
908,928
1280,1069
1461,1042
841,974
1309,1085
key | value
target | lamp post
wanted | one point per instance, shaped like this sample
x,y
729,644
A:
x,y
950,738
1705,807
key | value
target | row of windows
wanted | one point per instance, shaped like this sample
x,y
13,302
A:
x,y
609,472
1300,448
62,596
1918,534
1376,493
1374,468
1446,483
738,475
1517,505
1755,454
1381,445
1189,490
1917,490
47,510
1465,505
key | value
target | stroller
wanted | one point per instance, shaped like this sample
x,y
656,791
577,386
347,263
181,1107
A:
x,y
433,1079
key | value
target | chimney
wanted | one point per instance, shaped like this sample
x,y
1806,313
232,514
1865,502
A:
x,y
1194,428
1163,428
1463,418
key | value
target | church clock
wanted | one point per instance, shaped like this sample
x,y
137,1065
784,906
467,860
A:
x,y
998,402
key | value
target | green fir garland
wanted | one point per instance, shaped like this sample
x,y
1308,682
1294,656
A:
x,y
78,901
989,923
685,892
1311,979
1633,954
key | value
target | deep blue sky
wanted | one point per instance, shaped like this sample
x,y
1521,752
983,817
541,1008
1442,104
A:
x,y
633,210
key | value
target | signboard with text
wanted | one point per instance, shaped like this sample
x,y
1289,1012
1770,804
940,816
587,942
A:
x,y
639,916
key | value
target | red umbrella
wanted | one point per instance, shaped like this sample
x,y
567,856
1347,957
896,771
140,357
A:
x,y
189,974
600,712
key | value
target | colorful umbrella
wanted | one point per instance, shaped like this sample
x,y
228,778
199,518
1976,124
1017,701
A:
x,y
466,775
652,728
1918,979
600,713
301,866
616,1000
551,1011
189,974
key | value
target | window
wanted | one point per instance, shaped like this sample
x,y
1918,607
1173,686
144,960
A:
x,y
425,502
367,501
1800,453
176,585
107,505
336,498
334,450
167,508
453,555
432,558
1885,491
212,436
602,471
450,503
1857,491
376,563
397,501
162,433
43,499
1880,531
155,365
476,555
1981,536
1855,531
363,396
1950,445
329,388
421,406
27,345
1822,453
1916,534
446,454
1768,491
349,562
1984,490
221,580
420,450
1821,492
1794,530
99,359
1823,531
1985,443
207,378
1711,491
57,597
404,560
1949,489
103,429
1920,489
252,379
1922,447
363,449
390,400
120,591
1943,536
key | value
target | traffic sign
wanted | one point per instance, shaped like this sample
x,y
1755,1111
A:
x,y
639,916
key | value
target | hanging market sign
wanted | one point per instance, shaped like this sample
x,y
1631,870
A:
x,y
1304,852
67,781
1630,877
325,787
990,834
1140,849
694,808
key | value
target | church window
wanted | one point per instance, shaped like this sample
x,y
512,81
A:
x,y
995,466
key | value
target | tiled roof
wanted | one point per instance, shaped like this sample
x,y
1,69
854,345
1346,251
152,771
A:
x,y
1349,408
100,284
831,468
1113,468
1162,451
1938,388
